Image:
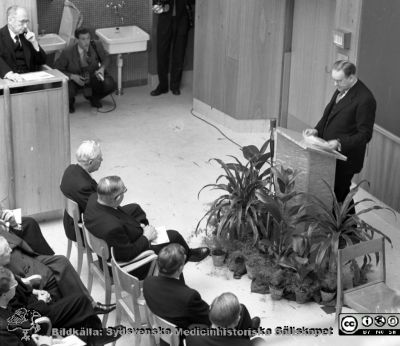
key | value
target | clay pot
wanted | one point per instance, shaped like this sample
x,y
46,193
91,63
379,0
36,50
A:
x,y
301,296
276,293
327,296
218,257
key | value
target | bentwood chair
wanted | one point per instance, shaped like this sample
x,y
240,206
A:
x,y
72,209
373,296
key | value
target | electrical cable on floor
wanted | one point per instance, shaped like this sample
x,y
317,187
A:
x,y
113,107
207,122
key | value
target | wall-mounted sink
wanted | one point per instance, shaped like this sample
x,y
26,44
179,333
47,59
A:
x,y
51,43
125,39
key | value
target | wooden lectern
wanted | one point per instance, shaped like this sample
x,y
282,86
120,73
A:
x,y
315,164
34,143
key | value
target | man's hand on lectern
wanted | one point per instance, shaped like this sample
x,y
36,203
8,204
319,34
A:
x,y
310,132
14,77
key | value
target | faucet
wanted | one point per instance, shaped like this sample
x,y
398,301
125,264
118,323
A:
x,y
117,6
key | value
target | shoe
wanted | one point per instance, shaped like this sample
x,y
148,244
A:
x,y
198,254
255,322
158,91
176,91
72,109
95,102
101,309
32,281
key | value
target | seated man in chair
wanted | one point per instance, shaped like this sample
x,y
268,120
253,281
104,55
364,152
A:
x,y
170,298
127,228
85,64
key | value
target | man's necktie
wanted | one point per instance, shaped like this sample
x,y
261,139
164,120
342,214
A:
x,y
340,96
17,41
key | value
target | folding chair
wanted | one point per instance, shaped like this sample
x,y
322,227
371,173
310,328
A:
x,y
72,209
373,296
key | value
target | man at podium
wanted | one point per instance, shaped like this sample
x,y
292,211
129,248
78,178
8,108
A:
x,y
19,50
347,124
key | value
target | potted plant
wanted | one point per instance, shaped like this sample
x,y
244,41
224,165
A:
x,y
236,210
338,227
218,254
277,283
328,284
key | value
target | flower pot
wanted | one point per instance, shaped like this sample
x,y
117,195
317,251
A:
x,y
327,296
218,257
251,271
276,293
301,296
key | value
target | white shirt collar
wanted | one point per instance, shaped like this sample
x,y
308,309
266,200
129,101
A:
x,y
12,34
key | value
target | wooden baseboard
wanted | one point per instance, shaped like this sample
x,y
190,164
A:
x,y
214,115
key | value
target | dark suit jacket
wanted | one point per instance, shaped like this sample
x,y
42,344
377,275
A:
x,y
7,56
117,227
69,61
352,123
172,300
78,185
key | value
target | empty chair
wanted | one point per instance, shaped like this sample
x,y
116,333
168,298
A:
x,y
72,209
157,322
373,296
128,291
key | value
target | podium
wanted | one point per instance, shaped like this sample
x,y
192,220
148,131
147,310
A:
x,y
34,144
315,164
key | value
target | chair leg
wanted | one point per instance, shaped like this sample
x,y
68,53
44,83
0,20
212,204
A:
x,y
80,260
107,301
118,317
69,248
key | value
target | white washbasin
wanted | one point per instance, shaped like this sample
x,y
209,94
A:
x,y
51,42
125,39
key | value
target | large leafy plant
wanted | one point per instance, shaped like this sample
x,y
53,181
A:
x,y
237,210
340,227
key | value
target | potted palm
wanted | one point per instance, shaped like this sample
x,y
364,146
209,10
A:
x,y
237,209
328,283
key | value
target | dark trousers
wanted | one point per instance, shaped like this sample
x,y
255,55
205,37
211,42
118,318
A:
x,y
343,179
98,89
172,35
32,234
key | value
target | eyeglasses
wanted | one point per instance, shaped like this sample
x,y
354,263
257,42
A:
x,y
121,193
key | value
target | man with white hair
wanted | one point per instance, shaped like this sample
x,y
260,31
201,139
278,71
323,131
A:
x,y
19,50
77,183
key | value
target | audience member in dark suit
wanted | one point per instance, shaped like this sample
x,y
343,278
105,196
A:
x,y
29,230
77,183
170,298
85,63
174,20
127,228
347,124
59,278
19,50
19,308
225,313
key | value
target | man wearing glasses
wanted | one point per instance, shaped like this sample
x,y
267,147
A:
x,y
126,228
347,124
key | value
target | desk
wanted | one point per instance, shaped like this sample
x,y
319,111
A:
x,y
34,143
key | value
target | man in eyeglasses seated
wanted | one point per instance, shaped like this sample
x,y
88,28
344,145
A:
x,y
85,64
127,228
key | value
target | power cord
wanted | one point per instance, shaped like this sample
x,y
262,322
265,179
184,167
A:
x,y
207,122
113,107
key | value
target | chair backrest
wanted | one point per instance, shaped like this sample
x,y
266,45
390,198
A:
x,y
363,248
72,209
124,282
157,323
